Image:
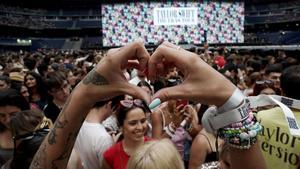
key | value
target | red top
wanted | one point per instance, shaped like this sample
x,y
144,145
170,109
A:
x,y
116,157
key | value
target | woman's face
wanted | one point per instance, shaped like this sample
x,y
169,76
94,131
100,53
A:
x,y
6,112
71,78
50,69
30,81
3,85
268,91
24,92
135,125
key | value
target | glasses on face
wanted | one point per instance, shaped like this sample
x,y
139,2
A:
x,y
136,102
261,85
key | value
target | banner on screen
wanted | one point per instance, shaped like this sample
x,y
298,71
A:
x,y
175,16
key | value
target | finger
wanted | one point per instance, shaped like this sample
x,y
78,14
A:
x,y
168,53
171,45
186,114
112,132
135,91
132,64
175,92
119,134
180,110
114,50
160,70
132,51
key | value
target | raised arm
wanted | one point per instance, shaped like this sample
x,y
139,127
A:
x,y
203,84
103,82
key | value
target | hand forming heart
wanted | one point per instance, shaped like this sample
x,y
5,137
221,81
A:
x,y
201,82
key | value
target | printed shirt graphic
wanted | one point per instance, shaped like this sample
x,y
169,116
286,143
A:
x,y
281,150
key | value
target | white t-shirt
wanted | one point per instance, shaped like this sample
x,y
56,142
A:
x,y
91,142
135,80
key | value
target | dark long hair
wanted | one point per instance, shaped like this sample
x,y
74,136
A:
x,y
40,86
24,126
11,97
144,83
123,111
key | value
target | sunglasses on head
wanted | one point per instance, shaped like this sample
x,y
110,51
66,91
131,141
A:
x,y
135,102
264,82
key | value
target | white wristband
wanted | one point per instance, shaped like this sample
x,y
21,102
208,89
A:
x,y
234,110
212,120
233,102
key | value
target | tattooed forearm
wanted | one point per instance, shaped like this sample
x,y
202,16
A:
x,y
52,134
95,78
60,123
66,152
39,160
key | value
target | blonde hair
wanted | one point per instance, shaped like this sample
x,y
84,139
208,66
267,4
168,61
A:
x,y
158,154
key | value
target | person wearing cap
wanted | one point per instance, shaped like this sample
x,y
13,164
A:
x,y
220,61
17,78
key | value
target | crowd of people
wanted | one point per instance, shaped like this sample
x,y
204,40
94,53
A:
x,y
25,21
138,109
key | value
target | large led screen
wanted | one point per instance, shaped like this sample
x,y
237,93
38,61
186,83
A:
x,y
177,22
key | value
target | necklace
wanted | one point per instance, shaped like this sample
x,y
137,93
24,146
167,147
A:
x,y
166,111
126,150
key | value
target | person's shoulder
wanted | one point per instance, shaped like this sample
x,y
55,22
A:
x,y
201,139
111,153
114,148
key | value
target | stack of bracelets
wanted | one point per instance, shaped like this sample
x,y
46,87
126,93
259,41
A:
x,y
242,134
233,122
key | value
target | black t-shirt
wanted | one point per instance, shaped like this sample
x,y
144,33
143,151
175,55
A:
x,y
27,149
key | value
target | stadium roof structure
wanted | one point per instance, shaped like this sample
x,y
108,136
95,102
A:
x,y
92,3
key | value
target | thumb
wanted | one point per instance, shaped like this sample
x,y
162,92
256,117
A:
x,y
165,94
136,92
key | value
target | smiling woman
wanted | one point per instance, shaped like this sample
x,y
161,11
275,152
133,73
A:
x,y
37,91
132,119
